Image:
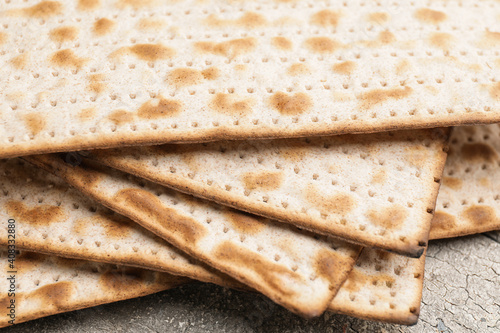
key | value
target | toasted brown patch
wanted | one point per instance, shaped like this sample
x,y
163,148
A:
x,y
344,68
480,215
87,114
67,59
495,91
484,182
38,215
379,177
441,40
21,61
282,43
452,182
149,24
383,38
181,77
326,18
443,221
268,271
114,282
231,48
298,69
55,295
88,4
378,17
427,15
64,34
151,52
114,228
44,9
389,218
35,122
290,105
403,66
97,83
357,280
3,37
228,104
322,45
248,20
103,26
147,203
159,108
490,39
244,222
121,117
328,264
339,203
211,73
136,4
265,180
377,96
478,152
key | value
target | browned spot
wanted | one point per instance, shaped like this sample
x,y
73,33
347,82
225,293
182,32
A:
x,y
240,67
116,282
452,182
442,221
427,15
377,96
378,18
379,177
389,218
478,152
149,24
96,83
159,108
495,91
228,104
344,68
27,261
55,295
329,265
211,73
150,206
181,77
403,66
338,203
383,255
326,18
87,114
265,180
290,105
88,4
322,44
244,222
3,38
272,275
63,34
113,227
282,43
485,182
21,61
441,40
38,215
490,39
136,4
103,26
357,280
248,20
151,52
44,9
480,215
383,38
298,69
35,122
67,59
121,117
231,48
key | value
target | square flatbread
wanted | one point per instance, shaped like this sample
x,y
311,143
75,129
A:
x,y
128,72
469,198
294,268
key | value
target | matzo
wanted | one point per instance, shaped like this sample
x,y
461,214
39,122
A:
x,y
294,268
53,218
46,285
80,74
469,198
382,286
377,189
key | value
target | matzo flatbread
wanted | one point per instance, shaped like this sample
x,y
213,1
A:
x,y
469,198
376,190
294,268
46,285
121,72
53,218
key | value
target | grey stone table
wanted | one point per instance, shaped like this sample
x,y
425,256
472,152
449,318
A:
x,y
461,294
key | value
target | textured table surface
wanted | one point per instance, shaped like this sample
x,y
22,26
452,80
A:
x,y
461,294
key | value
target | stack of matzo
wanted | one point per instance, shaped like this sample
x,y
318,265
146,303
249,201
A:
x,y
242,148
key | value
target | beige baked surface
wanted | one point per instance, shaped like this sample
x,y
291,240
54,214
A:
x,y
128,72
46,285
469,198
294,268
377,189
382,286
